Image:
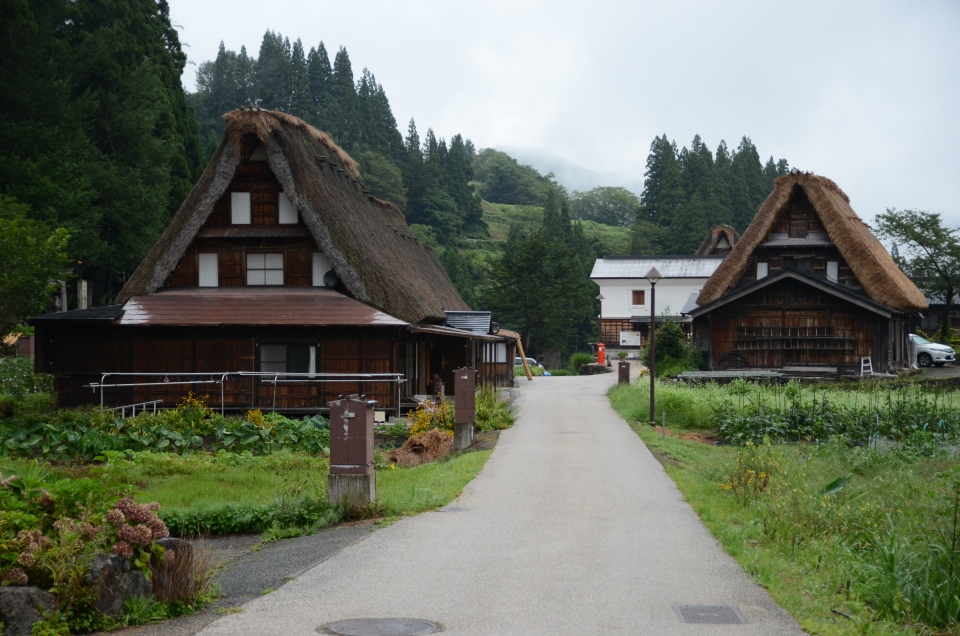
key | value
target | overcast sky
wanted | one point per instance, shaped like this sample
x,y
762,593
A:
x,y
865,93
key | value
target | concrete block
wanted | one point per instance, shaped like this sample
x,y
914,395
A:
x,y
463,436
357,490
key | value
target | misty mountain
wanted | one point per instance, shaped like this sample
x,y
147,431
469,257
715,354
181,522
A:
x,y
569,174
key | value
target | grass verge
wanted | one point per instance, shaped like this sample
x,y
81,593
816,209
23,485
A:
x,y
841,537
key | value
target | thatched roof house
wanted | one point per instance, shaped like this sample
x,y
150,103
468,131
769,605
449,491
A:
x,y
806,285
280,280
874,269
719,242
368,243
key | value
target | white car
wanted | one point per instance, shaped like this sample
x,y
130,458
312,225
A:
x,y
531,362
932,352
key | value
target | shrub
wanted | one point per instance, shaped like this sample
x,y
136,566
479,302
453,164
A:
x,y
675,352
579,359
432,414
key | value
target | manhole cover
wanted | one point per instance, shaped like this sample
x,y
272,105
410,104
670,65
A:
x,y
709,614
380,627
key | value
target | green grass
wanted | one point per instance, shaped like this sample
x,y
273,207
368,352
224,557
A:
x,y
817,553
203,482
407,491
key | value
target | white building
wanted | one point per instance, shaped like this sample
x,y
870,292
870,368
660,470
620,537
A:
x,y
625,293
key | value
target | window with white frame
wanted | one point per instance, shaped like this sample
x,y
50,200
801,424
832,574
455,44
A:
x,y
288,211
209,270
763,268
288,358
264,269
240,208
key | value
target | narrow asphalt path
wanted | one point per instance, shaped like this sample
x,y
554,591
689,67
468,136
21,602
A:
x,y
572,527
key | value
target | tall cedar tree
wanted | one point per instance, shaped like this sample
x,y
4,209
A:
x,y
96,134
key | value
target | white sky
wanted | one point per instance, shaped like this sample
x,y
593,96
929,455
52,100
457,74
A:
x,y
865,93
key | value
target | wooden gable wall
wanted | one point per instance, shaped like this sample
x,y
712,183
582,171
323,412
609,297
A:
x,y
264,234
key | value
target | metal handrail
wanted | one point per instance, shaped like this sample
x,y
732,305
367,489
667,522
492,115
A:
x,y
222,377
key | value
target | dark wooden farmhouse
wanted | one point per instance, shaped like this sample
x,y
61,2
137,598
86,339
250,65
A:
x,y
807,285
279,284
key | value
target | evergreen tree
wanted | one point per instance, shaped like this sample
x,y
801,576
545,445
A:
x,y
459,272
529,286
319,72
721,204
344,94
382,178
300,102
696,168
96,134
751,187
689,226
271,78
459,174
662,155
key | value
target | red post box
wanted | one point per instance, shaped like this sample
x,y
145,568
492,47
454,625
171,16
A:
x,y
601,353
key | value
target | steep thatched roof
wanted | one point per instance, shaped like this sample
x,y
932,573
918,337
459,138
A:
x,y
367,240
873,266
714,239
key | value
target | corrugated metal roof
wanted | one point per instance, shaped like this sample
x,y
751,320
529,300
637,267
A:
x,y
668,266
306,306
475,321
441,330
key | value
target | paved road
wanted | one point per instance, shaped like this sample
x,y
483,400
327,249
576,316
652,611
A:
x,y
571,528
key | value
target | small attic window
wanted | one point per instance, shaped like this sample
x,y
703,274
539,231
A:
x,y
798,227
288,211
240,208
259,154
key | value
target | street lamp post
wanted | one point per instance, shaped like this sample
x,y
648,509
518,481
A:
x,y
653,276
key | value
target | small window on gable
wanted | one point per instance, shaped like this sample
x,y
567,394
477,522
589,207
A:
x,y
638,297
209,270
763,269
264,269
240,208
288,211
798,227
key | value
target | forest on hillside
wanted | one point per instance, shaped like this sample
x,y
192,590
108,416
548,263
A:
x,y
100,140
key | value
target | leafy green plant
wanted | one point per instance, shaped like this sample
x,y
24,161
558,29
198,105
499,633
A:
x,y
493,414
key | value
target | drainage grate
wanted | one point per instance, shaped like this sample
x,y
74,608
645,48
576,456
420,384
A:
x,y
453,509
380,627
709,614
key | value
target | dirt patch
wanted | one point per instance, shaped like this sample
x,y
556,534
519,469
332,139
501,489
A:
x,y
665,460
704,438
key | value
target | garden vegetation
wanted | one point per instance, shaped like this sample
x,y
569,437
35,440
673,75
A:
x,y
82,482
844,502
